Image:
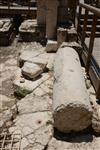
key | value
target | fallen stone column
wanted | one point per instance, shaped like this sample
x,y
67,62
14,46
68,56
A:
x,y
71,106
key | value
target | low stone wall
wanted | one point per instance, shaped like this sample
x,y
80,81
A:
x,y
30,31
6,32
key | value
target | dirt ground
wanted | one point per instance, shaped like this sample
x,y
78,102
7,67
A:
x,y
8,66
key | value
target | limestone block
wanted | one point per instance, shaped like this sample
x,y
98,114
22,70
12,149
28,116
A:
x,y
71,35
61,36
22,88
71,103
35,122
74,45
51,46
33,57
31,71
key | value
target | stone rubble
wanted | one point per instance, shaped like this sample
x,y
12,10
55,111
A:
x,y
41,58
31,71
24,87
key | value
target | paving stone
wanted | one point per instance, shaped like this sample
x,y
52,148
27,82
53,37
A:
x,y
34,122
33,57
22,89
33,104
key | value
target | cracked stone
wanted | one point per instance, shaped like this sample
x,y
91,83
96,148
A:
x,y
22,89
31,70
36,129
32,104
33,57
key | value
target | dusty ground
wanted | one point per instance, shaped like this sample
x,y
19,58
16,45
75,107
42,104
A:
x,y
8,65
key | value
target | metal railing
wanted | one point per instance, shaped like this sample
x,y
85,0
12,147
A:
x,y
96,15
19,3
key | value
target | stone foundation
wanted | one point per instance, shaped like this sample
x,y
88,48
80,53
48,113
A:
x,y
6,32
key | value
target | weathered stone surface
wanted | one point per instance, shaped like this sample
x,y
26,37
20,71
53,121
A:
x,y
33,104
40,58
34,122
71,35
74,45
96,118
28,25
51,46
31,70
6,31
24,88
45,89
5,24
71,102
61,36
6,103
33,57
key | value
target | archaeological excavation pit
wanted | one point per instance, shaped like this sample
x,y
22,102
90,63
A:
x,y
49,74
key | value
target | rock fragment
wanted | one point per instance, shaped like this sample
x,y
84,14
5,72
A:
x,y
51,46
22,89
32,71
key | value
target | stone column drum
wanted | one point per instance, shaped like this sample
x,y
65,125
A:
x,y
71,104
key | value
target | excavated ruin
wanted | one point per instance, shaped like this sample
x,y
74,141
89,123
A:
x,y
47,99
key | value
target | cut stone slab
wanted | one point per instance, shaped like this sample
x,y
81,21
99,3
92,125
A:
x,y
27,86
33,57
36,129
28,25
61,36
7,117
33,104
71,35
71,103
6,31
43,59
34,122
30,70
51,46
